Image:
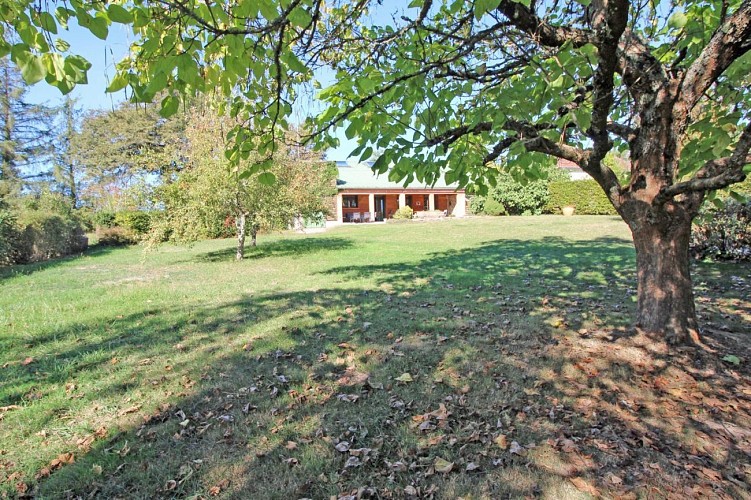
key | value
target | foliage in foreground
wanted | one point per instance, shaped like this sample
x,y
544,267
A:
x,y
466,365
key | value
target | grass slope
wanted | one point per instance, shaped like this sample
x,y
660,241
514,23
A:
x,y
476,357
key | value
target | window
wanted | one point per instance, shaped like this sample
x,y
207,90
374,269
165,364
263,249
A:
x,y
349,201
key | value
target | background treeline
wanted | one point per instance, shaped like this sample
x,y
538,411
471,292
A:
x,y
127,175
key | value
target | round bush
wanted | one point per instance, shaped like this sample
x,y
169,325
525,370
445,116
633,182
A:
x,y
405,212
493,207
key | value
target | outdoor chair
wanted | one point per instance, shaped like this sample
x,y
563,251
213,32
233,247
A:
x,y
366,217
356,217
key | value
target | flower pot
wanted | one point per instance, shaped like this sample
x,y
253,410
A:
x,y
568,211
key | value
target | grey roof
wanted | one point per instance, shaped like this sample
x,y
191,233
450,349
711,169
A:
x,y
360,176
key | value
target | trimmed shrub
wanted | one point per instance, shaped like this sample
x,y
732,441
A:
x,y
586,196
404,213
116,237
493,207
103,219
10,238
476,204
137,221
723,233
48,235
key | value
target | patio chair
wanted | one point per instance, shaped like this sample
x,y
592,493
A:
x,y
366,217
356,217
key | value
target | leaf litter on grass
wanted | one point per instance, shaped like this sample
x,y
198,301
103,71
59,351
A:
x,y
523,386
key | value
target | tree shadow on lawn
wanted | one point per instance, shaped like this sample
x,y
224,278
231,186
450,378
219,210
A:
x,y
280,248
516,379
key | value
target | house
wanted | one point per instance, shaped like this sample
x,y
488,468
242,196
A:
x,y
363,195
574,171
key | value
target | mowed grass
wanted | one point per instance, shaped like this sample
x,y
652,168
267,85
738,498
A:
x,y
481,358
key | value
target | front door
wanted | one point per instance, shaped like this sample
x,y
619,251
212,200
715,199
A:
x,y
380,207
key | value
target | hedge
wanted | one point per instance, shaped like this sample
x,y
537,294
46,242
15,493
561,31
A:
x,y
10,238
586,196
723,233
45,235
137,221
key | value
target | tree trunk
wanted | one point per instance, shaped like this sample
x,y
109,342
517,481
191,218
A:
x,y
253,234
665,298
240,224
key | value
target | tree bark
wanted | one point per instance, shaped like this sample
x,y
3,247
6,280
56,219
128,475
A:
x,y
240,225
665,298
253,234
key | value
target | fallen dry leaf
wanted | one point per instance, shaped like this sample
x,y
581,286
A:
x,y
342,446
582,485
127,411
501,442
404,377
27,361
567,446
443,466
711,474
397,466
516,448
291,445
85,442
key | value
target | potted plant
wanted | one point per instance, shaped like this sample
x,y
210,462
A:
x,y
568,210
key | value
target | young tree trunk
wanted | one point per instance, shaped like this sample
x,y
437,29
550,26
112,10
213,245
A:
x,y
665,298
253,234
240,224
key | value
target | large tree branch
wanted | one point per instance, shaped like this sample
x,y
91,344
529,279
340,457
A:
x,y
609,29
715,174
540,30
730,41
625,132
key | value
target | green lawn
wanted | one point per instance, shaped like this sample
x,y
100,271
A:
x,y
181,373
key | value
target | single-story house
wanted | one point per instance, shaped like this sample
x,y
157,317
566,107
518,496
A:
x,y
363,195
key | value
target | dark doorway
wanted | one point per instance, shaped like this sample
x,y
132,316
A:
x,y
380,207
